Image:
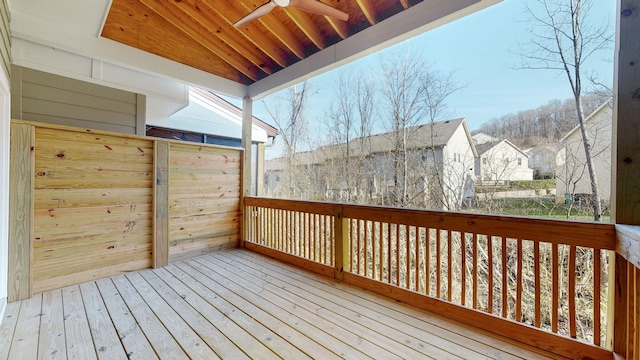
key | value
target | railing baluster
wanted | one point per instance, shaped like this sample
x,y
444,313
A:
x,y
417,263
474,244
380,243
490,273
449,264
519,281
555,293
397,254
388,259
365,230
505,283
427,261
463,268
596,296
373,250
635,339
407,236
438,263
538,285
571,294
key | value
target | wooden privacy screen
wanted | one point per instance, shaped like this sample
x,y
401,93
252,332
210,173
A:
x,y
89,206
204,199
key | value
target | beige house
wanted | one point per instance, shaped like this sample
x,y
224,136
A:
x,y
545,159
573,177
500,161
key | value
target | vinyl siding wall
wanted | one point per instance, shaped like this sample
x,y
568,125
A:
x,y
5,37
43,97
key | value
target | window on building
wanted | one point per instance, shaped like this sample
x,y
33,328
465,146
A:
x,y
519,161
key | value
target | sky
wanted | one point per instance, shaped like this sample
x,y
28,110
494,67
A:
x,y
483,50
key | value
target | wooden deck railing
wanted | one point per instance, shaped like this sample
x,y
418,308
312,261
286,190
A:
x,y
626,332
541,282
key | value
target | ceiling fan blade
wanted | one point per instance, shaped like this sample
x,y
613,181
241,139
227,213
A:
x,y
260,11
317,7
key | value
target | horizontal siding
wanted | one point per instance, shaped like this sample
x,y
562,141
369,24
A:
x,y
5,37
54,99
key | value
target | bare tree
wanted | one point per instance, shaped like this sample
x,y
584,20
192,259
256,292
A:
x,y
414,94
562,40
350,123
288,116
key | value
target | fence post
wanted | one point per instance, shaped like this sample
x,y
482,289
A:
x,y
342,244
161,153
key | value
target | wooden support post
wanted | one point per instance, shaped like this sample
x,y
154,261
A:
x,y
21,178
342,244
247,124
626,159
260,170
161,203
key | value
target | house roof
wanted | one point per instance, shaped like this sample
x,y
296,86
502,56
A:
x,y
548,147
588,119
485,147
432,135
197,42
234,110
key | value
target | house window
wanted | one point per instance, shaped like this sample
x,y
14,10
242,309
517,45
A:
x,y
519,161
484,161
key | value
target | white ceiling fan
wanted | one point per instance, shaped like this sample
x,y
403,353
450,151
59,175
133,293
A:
x,y
312,6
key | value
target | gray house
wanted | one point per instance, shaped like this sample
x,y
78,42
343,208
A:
x,y
439,171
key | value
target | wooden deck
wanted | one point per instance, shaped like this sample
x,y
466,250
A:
x,y
234,304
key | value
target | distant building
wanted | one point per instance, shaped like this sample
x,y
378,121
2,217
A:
x,y
573,178
440,168
546,159
500,161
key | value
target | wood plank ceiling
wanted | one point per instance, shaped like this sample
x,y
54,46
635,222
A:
x,y
201,34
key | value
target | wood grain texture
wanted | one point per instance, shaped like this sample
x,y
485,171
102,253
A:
x,y
626,115
161,204
204,211
21,174
85,227
239,304
508,289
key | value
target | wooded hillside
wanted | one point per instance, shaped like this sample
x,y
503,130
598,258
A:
x,y
547,123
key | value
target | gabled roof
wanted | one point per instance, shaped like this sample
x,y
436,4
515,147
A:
x,y
588,119
550,147
484,148
433,135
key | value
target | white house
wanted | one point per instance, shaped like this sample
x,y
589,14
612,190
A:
x,y
439,161
573,178
500,161
546,159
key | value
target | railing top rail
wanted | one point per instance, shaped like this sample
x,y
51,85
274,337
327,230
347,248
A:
x,y
628,243
566,232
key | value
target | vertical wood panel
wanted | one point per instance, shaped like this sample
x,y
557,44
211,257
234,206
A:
x,y
161,204
21,178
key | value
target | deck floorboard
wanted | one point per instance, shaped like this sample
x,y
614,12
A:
x,y
235,304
